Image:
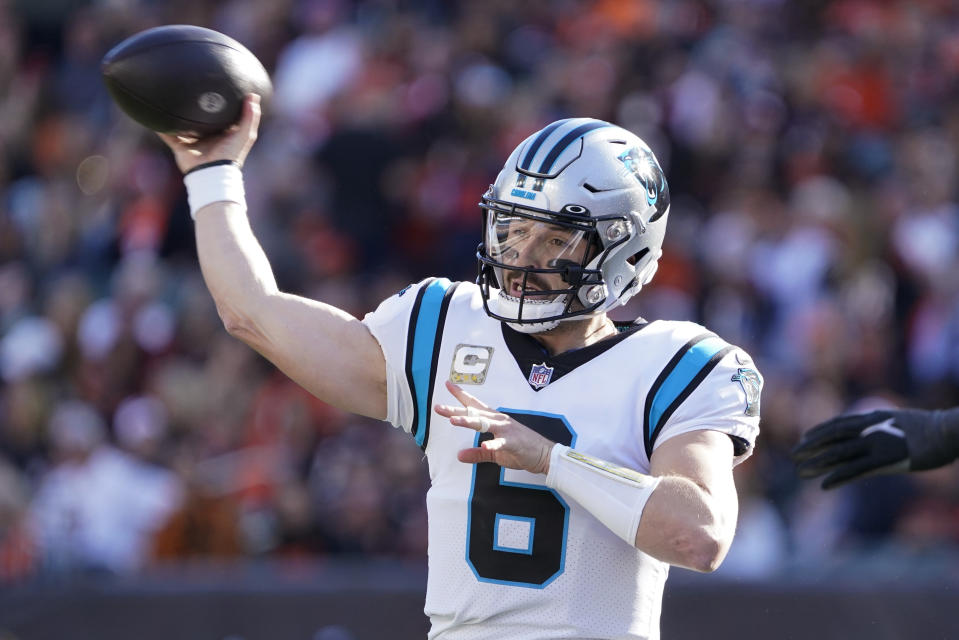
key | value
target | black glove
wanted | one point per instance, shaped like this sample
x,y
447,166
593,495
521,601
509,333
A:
x,y
852,446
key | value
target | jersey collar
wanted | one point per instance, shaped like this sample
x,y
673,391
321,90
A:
x,y
529,353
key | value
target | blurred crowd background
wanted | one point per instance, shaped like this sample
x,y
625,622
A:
x,y
811,150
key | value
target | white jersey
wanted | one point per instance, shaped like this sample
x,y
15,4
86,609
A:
x,y
508,557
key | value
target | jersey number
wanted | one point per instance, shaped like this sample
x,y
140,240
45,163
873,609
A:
x,y
517,532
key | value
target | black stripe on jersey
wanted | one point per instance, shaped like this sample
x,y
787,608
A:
x,y
440,324
410,337
660,379
710,365
649,437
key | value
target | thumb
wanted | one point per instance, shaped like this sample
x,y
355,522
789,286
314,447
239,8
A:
x,y
249,122
248,127
475,455
184,153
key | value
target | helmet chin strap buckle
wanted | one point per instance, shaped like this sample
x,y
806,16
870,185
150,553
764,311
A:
x,y
573,276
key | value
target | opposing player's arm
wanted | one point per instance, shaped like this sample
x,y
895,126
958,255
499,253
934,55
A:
x,y
853,446
323,348
690,519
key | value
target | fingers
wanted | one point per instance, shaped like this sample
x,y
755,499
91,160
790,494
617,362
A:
x,y
845,474
179,144
479,415
835,455
449,411
834,431
233,144
470,417
841,462
465,398
170,141
474,414
493,445
849,472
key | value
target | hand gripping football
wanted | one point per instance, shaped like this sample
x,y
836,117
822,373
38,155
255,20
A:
x,y
183,79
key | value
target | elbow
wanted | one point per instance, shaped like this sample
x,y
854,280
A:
x,y
234,323
706,553
701,548
238,324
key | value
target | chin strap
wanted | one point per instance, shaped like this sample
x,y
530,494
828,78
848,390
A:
x,y
508,307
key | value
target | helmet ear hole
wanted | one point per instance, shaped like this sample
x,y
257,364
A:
x,y
636,257
593,249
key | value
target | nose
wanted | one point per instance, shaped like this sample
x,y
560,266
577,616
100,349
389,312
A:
x,y
527,253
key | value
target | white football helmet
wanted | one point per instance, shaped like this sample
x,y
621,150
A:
x,y
584,200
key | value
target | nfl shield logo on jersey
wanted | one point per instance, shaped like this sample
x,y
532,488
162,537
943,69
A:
x,y
540,375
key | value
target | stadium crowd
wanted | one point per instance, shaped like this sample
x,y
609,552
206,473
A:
x,y
811,150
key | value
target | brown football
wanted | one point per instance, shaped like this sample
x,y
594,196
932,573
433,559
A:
x,y
183,79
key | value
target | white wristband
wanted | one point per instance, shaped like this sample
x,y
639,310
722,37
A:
x,y
615,495
216,183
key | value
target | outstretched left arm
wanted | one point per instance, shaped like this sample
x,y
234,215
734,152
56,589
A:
x,y
684,512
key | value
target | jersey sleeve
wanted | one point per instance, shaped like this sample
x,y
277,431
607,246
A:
x,y
408,327
713,386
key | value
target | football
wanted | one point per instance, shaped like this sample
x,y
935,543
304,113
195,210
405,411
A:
x,y
183,79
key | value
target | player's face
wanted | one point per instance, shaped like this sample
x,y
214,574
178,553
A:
x,y
522,242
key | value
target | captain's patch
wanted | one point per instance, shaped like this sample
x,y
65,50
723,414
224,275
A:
x,y
470,364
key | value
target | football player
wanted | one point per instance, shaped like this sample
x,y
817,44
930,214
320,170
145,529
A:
x,y
888,441
572,460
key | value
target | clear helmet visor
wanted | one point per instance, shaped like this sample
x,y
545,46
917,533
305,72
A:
x,y
536,257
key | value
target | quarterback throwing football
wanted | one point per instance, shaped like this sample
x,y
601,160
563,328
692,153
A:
x,y
572,459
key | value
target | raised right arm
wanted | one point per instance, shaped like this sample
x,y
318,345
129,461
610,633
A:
x,y
324,349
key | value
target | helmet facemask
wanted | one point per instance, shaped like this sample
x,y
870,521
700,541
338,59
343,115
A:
x,y
539,267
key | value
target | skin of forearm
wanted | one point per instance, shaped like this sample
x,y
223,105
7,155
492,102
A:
x,y
234,266
686,526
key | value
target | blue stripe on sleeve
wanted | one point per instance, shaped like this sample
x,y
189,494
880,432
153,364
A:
x,y
424,340
682,375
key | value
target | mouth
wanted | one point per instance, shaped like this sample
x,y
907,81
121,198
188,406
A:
x,y
515,288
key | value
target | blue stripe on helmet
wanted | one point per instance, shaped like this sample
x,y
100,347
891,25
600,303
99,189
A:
x,y
567,140
538,142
